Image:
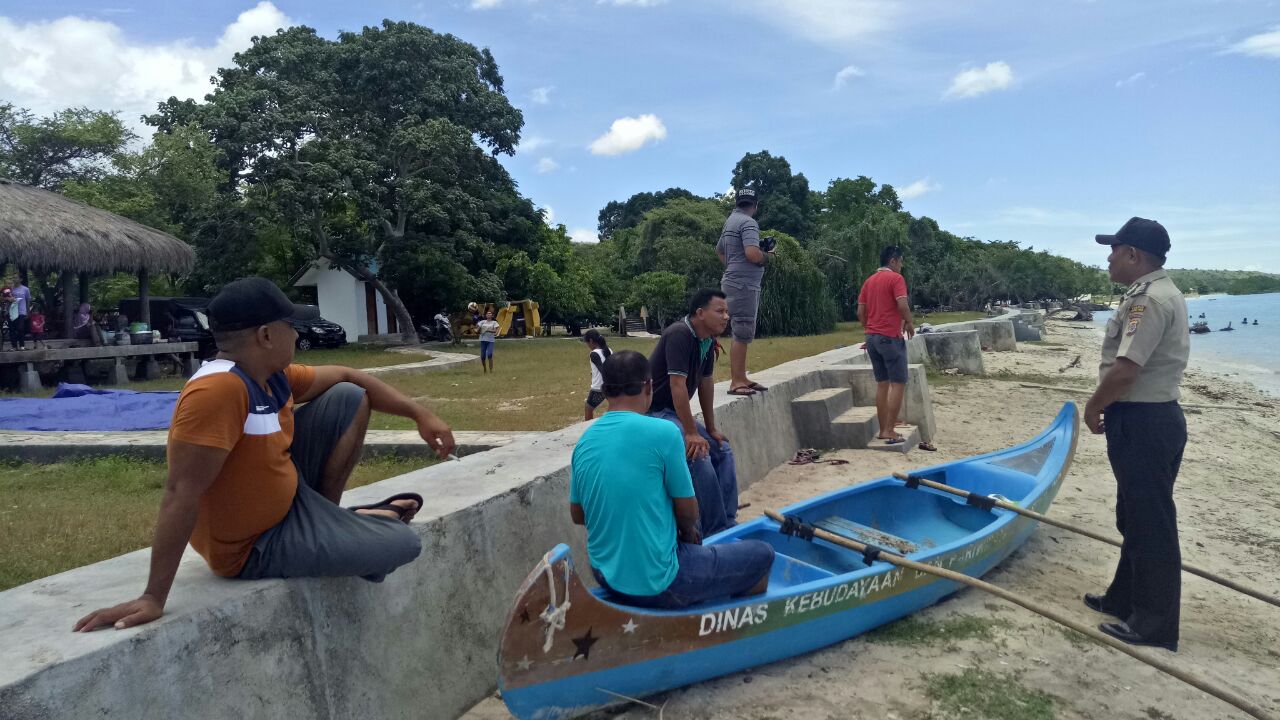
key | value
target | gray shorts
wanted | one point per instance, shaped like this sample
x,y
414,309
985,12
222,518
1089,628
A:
x,y
888,358
743,304
318,538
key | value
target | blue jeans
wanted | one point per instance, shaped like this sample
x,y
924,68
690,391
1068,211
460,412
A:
x,y
707,573
715,480
486,349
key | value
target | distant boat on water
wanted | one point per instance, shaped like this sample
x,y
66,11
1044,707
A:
x,y
1200,328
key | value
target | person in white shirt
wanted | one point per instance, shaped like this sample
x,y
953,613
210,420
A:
x,y
599,353
488,334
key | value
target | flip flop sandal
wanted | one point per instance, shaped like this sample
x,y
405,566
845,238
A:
x,y
895,441
744,391
397,509
928,446
757,387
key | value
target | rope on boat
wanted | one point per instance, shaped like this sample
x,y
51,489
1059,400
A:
x,y
553,617
1223,694
915,481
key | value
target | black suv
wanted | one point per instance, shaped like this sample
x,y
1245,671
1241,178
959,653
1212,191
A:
x,y
319,333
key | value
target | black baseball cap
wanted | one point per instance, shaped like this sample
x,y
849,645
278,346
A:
x,y
745,196
253,302
1141,233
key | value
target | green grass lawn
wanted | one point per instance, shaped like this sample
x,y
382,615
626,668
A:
x,y
541,383
64,515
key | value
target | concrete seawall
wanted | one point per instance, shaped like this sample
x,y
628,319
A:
x,y
420,645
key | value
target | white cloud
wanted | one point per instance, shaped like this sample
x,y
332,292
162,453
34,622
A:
x,y
846,74
533,142
547,165
629,134
51,65
584,235
918,188
1265,44
835,23
979,81
541,95
485,4
635,3
1131,79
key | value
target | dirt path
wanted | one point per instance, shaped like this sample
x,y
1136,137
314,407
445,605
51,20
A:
x,y
974,656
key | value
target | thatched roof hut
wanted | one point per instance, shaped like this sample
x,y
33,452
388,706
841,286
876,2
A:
x,y
43,230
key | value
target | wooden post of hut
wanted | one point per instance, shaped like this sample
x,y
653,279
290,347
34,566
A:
x,y
148,368
67,280
84,287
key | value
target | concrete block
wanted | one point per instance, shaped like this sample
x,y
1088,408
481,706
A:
x,y
1025,333
814,412
117,374
911,434
997,334
961,350
855,428
28,378
917,406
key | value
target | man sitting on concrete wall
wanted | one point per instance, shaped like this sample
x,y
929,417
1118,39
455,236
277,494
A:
x,y
683,363
254,486
631,488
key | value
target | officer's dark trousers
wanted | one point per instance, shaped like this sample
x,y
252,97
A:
x,y
1145,443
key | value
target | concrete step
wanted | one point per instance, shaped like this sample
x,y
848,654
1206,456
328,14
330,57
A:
x,y
910,432
855,427
813,414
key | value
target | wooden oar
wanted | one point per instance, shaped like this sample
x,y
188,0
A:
x,y
912,480
1086,630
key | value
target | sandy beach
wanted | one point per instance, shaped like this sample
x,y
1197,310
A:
x,y
1229,516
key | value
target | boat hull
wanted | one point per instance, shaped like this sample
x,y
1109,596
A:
x,y
607,651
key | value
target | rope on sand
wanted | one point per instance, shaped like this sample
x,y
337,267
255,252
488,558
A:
x,y
1096,635
1194,406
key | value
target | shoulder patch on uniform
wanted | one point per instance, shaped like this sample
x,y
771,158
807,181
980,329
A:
x,y
1139,309
1134,320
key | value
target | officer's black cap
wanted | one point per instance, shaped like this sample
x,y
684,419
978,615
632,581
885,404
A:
x,y
1141,233
745,196
253,302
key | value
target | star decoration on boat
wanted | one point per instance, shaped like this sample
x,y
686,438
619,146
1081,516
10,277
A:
x,y
583,645
524,615
630,627
523,663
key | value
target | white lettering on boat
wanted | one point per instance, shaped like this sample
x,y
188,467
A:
x,y
857,589
733,618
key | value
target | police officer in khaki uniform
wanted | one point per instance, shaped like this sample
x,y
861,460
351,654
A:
x,y
1136,405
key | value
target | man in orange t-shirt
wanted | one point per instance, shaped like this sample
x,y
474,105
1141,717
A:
x,y
885,315
254,485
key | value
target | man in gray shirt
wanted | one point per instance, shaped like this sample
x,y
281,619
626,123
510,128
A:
x,y
741,251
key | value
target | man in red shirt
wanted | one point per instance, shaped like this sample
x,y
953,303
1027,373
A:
x,y
885,315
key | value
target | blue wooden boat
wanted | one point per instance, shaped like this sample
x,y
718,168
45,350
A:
x,y
566,650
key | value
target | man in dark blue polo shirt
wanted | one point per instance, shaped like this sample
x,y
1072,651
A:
x,y
683,363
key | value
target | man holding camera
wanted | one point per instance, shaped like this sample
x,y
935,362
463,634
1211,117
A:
x,y
743,253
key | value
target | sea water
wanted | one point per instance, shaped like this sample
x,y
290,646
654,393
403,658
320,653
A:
x,y
1249,352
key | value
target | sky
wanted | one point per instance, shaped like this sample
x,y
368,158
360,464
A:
x,y
1041,122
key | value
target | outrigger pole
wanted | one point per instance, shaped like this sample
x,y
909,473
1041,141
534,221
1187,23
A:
x,y
915,481
870,553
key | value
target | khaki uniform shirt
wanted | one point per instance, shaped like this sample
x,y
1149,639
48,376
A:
x,y
1150,329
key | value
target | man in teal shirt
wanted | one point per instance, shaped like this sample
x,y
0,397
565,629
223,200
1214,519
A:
x,y
631,488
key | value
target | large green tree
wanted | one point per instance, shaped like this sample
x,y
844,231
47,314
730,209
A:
x,y
784,197
74,144
628,213
377,151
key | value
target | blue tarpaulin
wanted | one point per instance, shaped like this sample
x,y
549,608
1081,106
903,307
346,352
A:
x,y
82,408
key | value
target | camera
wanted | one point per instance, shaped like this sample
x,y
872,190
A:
x,y
767,244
